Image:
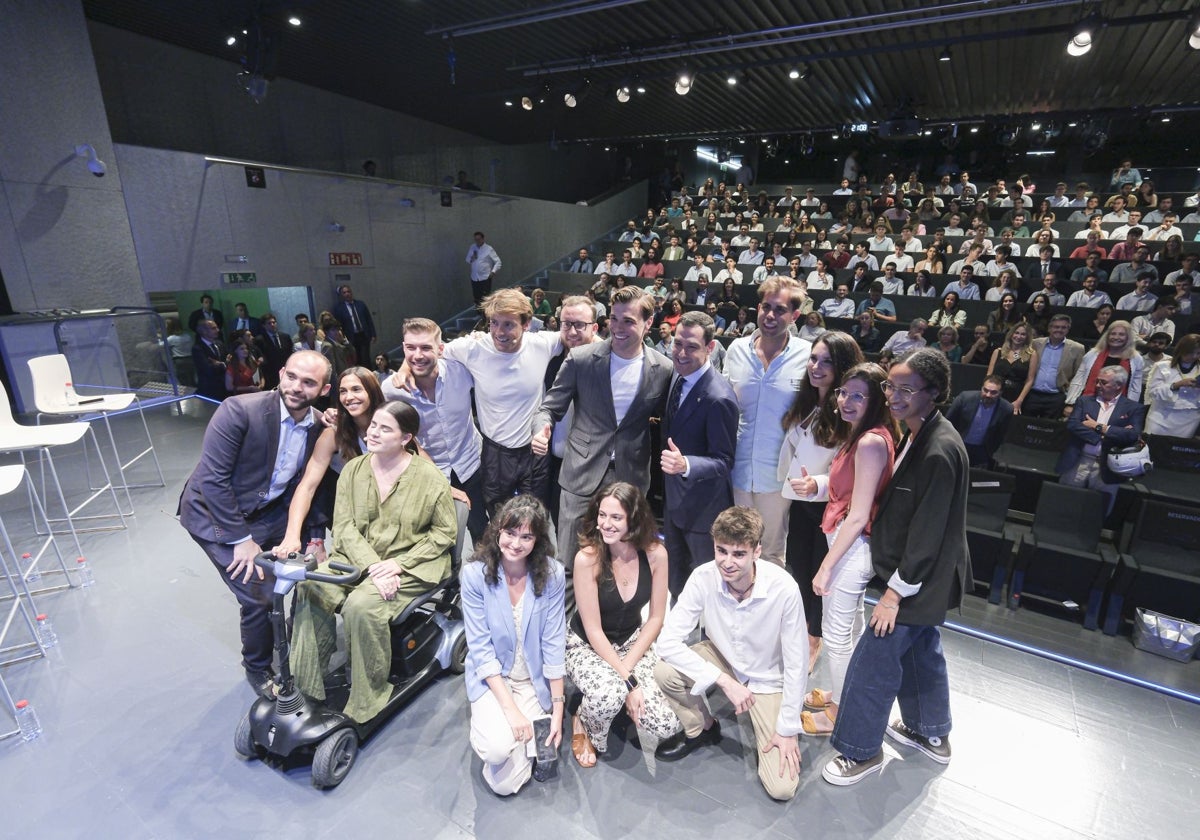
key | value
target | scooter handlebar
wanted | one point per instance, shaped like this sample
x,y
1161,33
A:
x,y
349,574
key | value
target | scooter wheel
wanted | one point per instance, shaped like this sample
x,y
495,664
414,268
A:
x,y
243,739
458,655
334,758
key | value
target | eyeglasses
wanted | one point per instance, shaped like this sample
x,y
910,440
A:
x,y
850,396
577,326
904,391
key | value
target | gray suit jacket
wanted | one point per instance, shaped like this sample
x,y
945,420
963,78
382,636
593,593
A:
x,y
231,481
585,380
1072,356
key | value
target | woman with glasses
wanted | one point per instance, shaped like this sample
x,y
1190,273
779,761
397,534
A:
x,y
512,603
814,435
857,475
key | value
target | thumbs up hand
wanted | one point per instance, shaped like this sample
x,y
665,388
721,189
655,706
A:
x,y
805,486
673,461
541,441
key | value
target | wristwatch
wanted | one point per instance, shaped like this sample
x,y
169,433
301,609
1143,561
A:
x,y
631,682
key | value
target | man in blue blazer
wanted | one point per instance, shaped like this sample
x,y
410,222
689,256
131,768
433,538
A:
x,y
981,418
700,430
235,504
356,323
1098,424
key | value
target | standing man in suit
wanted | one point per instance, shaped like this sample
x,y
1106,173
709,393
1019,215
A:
x,y
274,347
919,548
1058,359
208,360
1098,424
981,418
236,501
484,262
206,313
700,430
613,388
243,321
356,321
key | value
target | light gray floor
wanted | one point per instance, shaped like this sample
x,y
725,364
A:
x,y
140,699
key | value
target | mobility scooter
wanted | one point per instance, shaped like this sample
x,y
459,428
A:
x,y
427,639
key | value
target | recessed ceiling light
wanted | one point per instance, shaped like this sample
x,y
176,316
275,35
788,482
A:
x,y
974,129
794,73
1164,119
294,21
508,103
231,40
640,88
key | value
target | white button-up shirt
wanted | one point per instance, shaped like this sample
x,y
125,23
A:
x,y
447,432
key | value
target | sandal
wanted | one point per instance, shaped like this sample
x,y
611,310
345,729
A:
x,y
818,725
581,748
818,700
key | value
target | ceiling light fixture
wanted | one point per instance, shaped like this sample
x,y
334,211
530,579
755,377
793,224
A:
x,y
569,99
684,82
1194,32
294,21
527,103
231,40
794,73
945,56
733,78
1081,36
507,103
623,93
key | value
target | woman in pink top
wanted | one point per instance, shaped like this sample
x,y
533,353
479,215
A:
x,y
860,470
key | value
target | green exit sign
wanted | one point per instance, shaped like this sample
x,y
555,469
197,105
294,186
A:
x,y
239,278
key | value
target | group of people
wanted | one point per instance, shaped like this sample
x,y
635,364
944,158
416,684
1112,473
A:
x,y
778,471
247,357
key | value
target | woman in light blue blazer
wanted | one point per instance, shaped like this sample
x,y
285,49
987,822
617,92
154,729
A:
x,y
512,601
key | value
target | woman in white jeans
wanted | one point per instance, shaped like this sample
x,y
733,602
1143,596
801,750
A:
x,y
860,470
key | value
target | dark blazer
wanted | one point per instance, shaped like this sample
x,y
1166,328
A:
x,y
210,369
1124,429
341,311
198,315
255,325
233,476
962,412
705,430
273,358
585,380
1033,269
920,528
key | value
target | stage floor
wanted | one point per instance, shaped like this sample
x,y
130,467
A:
x,y
141,696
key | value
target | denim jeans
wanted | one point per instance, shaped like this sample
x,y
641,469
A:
x,y
906,665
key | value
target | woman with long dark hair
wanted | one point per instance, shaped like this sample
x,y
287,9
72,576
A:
x,y
620,570
512,602
813,437
853,485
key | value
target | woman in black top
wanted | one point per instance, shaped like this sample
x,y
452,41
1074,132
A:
x,y
620,568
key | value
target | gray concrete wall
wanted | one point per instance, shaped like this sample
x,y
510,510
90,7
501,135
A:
x,y
188,214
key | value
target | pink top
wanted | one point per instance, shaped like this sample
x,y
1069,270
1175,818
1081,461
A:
x,y
841,482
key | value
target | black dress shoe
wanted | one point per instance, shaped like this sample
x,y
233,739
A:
x,y
679,745
262,682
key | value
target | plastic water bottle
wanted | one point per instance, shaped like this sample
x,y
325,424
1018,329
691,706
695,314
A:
x,y
27,720
45,631
35,574
86,578
71,396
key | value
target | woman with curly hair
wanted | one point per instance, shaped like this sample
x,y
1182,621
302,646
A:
x,y
621,569
513,609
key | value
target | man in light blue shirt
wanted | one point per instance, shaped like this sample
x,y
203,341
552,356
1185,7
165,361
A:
x,y
765,369
964,286
839,306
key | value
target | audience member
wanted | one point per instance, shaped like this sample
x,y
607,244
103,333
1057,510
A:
x,y
1174,391
357,323
275,347
1157,320
981,418
1115,348
1100,421
206,312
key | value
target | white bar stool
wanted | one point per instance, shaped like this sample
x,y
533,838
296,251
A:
x,y
22,607
54,395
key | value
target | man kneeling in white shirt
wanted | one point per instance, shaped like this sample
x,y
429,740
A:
x,y
756,652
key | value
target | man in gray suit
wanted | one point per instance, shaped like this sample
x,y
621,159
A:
x,y
1058,359
616,387
235,503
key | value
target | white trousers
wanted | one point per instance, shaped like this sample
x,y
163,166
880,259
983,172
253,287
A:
x,y
842,620
506,767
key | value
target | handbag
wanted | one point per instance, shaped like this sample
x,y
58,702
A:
x,y
800,449
1131,461
1163,635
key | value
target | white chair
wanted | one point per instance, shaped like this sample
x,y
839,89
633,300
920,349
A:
x,y
55,396
16,573
15,437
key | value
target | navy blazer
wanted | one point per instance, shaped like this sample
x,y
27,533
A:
x,y
342,312
705,430
233,477
962,412
492,636
1124,428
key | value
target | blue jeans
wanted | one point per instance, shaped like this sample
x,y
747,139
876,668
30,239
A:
x,y
906,665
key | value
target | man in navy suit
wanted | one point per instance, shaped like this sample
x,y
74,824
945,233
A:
x,y
243,321
274,346
700,429
235,503
981,418
208,360
356,321
1098,424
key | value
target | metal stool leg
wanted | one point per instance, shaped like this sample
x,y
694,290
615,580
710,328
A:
x,y
71,515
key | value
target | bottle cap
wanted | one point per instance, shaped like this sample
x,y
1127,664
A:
x,y
26,556
41,616
80,559
21,704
